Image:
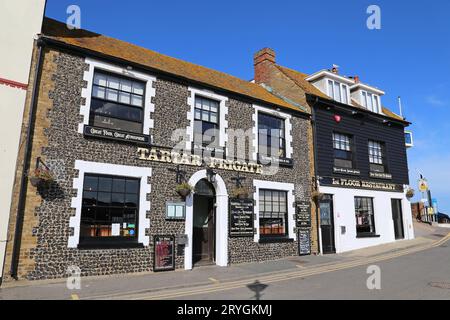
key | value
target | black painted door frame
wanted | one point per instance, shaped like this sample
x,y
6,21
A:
x,y
327,225
397,218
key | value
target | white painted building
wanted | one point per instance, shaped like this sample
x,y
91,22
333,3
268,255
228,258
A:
x,y
20,22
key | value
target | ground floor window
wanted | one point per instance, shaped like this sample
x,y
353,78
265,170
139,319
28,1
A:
x,y
273,213
110,208
365,222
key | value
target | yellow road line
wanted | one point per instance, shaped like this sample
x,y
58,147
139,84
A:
x,y
214,280
75,297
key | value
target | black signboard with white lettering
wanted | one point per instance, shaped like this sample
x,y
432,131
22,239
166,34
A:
x,y
304,242
241,218
116,135
164,255
303,213
282,162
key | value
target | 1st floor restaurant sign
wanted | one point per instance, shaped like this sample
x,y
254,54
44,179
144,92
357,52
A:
x,y
360,184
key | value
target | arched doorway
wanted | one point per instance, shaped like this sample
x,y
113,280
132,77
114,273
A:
x,y
221,220
204,223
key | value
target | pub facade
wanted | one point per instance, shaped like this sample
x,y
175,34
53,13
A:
x,y
141,162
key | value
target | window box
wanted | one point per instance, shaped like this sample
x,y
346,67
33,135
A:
x,y
275,240
367,235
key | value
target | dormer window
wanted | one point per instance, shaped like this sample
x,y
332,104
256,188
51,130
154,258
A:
x,y
338,91
370,101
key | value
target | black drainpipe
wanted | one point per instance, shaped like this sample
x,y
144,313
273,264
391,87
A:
x,y
26,164
315,168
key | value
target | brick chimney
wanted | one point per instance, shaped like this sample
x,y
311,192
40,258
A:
x,y
263,60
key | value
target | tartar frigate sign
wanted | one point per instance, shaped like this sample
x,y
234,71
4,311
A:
x,y
166,156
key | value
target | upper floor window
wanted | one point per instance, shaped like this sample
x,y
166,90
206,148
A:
x,y
206,126
376,156
271,135
117,102
109,209
338,91
342,144
370,101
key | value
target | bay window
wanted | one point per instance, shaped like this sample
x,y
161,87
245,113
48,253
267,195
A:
x,y
117,102
338,91
371,101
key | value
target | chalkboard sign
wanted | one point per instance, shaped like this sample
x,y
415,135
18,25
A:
x,y
241,218
164,256
304,242
303,212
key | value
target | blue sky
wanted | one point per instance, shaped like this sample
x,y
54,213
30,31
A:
x,y
408,57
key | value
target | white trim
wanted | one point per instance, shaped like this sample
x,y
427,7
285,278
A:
x,y
326,73
223,114
367,88
221,221
270,185
288,128
104,168
86,93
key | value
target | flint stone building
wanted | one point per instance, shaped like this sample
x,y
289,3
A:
x,y
103,119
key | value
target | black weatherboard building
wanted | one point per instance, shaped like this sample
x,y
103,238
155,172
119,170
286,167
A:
x,y
361,163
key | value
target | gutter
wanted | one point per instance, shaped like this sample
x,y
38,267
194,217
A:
x,y
314,127
26,164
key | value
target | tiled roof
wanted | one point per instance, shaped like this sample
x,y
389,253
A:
x,y
147,58
300,79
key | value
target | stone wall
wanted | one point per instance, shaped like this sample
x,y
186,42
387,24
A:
x,y
45,253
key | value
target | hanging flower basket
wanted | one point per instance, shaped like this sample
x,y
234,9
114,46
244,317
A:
x,y
41,177
317,196
184,189
410,193
240,193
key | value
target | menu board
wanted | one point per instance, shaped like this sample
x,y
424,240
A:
x,y
241,218
304,242
303,213
164,257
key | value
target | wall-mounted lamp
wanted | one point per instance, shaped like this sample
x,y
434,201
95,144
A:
x,y
211,175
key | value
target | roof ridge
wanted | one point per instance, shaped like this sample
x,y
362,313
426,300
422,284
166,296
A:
x,y
145,57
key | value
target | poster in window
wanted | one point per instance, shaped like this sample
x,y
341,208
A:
x,y
164,255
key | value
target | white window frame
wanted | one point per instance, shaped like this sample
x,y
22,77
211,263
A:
x,y
223,114
342,87
277,186
86,93
85,167
376,107
287,127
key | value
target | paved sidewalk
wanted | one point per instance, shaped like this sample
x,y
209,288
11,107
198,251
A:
x,y
107,287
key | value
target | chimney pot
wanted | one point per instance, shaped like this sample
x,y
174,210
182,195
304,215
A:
x,y
356,78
